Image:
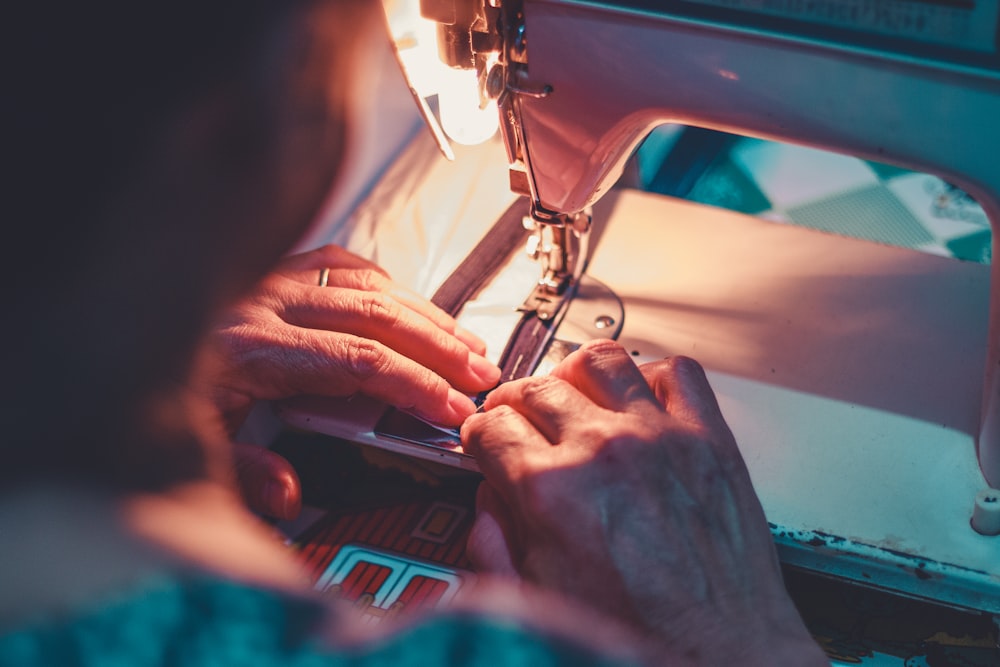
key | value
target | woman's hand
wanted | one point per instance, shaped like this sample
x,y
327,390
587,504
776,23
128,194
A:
x,y
623,487
359,333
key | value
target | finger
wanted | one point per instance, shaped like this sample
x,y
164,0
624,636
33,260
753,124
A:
x,y
306,267
606,374
267,482
292,361
443,320
377,317
490,541
550,404
368,280
507,447
680,385
268,359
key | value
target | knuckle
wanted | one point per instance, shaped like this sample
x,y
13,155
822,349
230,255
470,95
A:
x,y
471,430
365,359
682,366
245,343
430,389
494,420
592,357
500,414
365,280
476,430
600,347
595,352
369,280
541,389
378,309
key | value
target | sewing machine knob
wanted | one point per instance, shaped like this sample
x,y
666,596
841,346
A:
x,y
604,322
986,513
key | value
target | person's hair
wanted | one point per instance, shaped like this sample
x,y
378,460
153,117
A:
x,y
88,85
89,89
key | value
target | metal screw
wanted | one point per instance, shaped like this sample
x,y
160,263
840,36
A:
x,y
604,322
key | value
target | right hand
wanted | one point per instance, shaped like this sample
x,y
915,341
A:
x,y
623,488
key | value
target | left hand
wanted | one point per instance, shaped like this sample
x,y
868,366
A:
x,y
360,333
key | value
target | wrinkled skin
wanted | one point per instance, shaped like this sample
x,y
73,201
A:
x,y
361,333
623,487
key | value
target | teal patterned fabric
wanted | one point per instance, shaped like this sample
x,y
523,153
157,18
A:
x,y
198,621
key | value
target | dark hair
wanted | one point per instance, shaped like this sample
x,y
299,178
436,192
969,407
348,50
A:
x,y
90,88
88,84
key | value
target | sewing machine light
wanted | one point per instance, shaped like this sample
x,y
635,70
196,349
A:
x,y
461,114
462,117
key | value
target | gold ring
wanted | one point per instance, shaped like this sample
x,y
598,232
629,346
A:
x,y
324,276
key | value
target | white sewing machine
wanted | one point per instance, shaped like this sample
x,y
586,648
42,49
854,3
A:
x,y
859,379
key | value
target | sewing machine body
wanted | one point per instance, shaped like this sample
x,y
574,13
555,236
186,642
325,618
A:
x,y
926,100
857,378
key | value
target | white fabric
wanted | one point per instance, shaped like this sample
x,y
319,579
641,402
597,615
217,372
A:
x,y
425,216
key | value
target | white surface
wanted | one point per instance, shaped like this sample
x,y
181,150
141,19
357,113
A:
x,y
850,373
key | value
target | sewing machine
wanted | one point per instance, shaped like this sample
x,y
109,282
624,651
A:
x,y
859,379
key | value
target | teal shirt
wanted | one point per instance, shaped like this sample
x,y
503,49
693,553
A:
x,y
203,621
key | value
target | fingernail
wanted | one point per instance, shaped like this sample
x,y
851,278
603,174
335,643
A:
x,y
278,499
484,369
460,405
452,414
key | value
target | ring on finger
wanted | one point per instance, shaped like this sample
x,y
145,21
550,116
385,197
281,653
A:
x,y
324,276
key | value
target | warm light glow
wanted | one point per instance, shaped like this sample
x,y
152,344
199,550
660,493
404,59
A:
x,y
461,117
457,90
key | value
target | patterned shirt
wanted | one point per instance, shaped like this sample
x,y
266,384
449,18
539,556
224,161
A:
x,y
202,621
